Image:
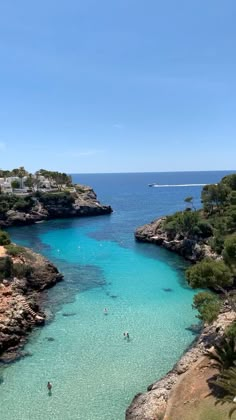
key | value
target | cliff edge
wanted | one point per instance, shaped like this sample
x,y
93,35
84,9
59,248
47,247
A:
x,y
23,276
193,248
25,210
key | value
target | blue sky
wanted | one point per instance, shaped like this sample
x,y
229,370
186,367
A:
x,y
118,85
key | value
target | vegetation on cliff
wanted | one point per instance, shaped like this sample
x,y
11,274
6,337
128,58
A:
x,y
14,202
207,237
23,275
46,187
4,238
26,198
20,176
214,226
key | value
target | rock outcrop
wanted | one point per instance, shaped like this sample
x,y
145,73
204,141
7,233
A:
x,y
192,249
20,301
82,202
152,404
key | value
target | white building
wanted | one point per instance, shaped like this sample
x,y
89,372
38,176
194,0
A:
x,y
6,184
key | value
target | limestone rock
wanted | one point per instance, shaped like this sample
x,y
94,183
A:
x,y
152,404
84,203
20,304
192,249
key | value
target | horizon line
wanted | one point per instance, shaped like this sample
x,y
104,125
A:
x,y
149,172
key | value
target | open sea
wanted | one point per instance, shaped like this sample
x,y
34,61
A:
x,y
94,370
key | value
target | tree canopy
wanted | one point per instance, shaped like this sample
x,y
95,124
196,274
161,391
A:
x,y
230,249
209,273
4,238
208,306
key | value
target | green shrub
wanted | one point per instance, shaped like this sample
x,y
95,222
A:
x,y
4,238
230,181
208,306
22,270
4,207
231,330
15,184
233,198
5,267
188,222
14,250
80,188
209,273
171,227
205,229
217,243
23,204
184,223
230,249
12,201
215,197
224,354
55,199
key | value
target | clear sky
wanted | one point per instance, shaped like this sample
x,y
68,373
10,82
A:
x,y
118,85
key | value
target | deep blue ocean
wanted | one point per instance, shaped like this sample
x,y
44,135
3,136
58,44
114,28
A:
x,y
94,370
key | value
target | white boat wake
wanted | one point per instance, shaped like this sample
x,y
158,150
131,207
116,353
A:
x,y
176,185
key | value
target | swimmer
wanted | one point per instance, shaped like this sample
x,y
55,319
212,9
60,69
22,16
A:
x,y
49,386
105,311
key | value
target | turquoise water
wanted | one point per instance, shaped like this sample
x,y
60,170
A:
x,y
95,372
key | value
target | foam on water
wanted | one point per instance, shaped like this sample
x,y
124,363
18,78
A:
x,y
176,185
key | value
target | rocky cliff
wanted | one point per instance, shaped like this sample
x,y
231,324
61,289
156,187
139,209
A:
x,y
23,278
191,248
152,405
44,206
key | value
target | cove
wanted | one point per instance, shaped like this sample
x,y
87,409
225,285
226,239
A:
x,y
95,372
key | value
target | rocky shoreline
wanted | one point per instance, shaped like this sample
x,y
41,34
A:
x,y
152,404
20,302
82,203
192,249
20,296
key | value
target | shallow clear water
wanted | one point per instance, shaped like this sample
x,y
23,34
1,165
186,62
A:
x,y
95,372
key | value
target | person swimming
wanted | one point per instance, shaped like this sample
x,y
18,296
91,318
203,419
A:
x,y
126,335
105,311
49,387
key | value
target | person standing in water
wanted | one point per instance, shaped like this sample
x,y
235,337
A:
x,y
105,311
49,387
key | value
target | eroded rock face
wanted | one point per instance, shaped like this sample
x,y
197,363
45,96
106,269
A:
x,y
152,404
20,303
82,204
192,249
